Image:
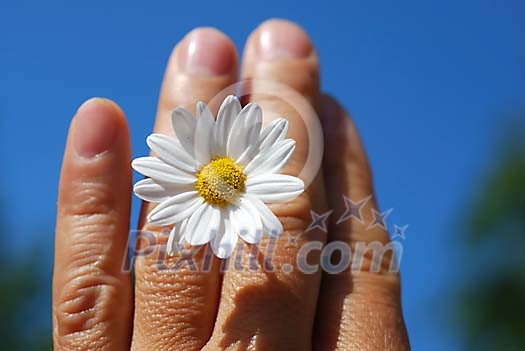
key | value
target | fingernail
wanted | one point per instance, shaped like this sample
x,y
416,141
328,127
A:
x,y
94,127
206,52
281,39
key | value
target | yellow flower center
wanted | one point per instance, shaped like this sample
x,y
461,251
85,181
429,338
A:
x,y
221,181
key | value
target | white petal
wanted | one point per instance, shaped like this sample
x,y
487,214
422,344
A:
x,y
152,191
159,170
273,133
246,221
199,109
274,187
228,112
271,224
203,224
205,124
225,241
270,135
245,130
175,209
176,237
184,125
171,152
182,232
253,126
271,159
182,238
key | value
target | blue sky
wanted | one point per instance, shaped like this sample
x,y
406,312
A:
x,y
428,84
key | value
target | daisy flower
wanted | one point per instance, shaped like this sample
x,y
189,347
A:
x,y
213,180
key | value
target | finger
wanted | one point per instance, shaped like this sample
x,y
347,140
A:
x,y
175,309
274,311
359,308
91,294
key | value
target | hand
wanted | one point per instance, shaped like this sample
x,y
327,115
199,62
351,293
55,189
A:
x,y
94,307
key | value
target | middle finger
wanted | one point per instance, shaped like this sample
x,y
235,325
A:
x,y
175,309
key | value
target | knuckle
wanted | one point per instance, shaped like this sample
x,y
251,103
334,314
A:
x,y
377,290
295,214
82,310
171,306
88,198
89,221
91,240
376,257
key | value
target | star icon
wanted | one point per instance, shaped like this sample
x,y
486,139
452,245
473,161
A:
x,y
400,231
292,240
318,221
353,209
380,218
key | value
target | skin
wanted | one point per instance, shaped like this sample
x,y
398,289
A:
x,y
95,304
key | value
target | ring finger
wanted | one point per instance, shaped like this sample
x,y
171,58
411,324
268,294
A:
x,y
275,310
